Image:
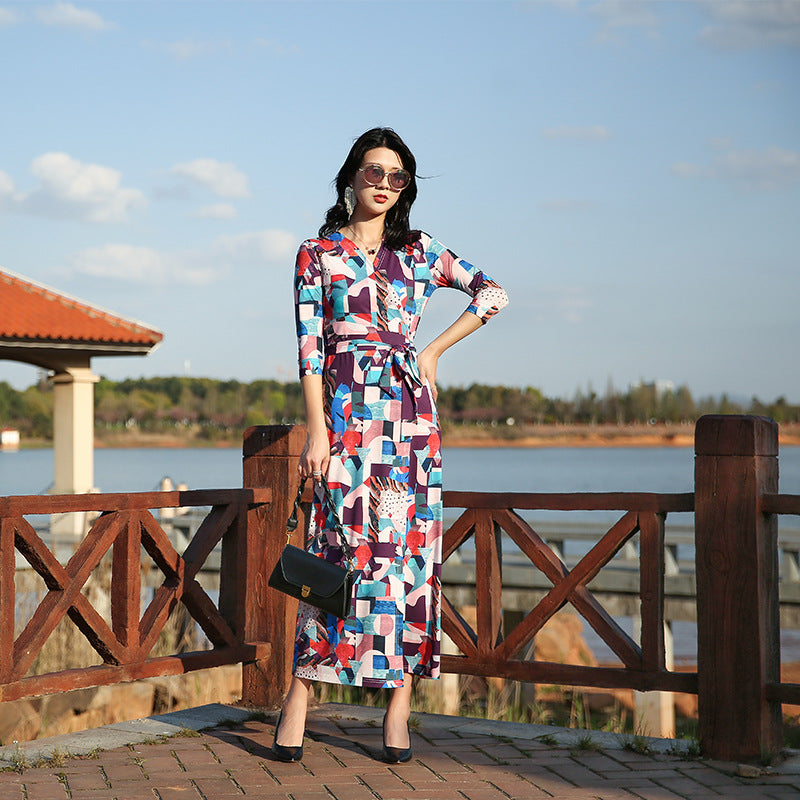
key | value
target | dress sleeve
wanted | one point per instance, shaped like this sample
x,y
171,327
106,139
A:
x,y
447,269
308,310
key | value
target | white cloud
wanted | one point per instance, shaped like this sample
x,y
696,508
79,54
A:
x,y
122,262
223,179
189,48
269,245
618,14
769,169
6,185
745,24
66,15
565,303
7,17
71,189
216,211
277,47
587,133
144,265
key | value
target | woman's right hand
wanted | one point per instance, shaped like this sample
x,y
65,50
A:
x,y
315,457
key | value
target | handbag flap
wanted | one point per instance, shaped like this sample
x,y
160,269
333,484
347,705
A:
x,y
301,568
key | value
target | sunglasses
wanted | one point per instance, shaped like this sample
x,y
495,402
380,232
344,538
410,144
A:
x,y
375,173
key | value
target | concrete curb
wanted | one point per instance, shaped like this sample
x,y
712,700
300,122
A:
x,y
120,734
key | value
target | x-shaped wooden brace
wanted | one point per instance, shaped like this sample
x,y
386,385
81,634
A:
x,y
131,640
568,586
180,582
64,596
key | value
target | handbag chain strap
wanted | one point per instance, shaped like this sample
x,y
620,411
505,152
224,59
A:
x,y
291,523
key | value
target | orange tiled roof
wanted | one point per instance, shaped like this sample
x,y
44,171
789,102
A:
x,y
33,313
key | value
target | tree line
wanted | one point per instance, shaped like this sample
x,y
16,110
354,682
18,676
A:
x,y
215,409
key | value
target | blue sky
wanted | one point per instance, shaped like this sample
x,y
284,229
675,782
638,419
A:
x,y
629,171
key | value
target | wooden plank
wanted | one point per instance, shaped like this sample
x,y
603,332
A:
x,y
155,617
458,533
783,693
780,503
571,588
208,536
128,501
160,549
233,566
651,595
543,557
270,456
572,675
606,627
55,577
720,435
207,615
126,584
7,596
488,583
70,582
574,501
738,647
271,441
457,628
68,680
532,545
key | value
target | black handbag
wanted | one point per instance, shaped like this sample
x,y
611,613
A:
x,y
310,578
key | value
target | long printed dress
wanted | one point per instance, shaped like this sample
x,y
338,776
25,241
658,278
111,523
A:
x,y
355,324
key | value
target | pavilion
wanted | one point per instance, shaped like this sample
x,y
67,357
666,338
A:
x,y
61,334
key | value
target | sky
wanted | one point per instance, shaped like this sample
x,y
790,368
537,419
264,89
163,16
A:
x,y
628,170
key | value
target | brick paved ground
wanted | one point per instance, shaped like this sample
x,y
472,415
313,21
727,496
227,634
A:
x,y
454,759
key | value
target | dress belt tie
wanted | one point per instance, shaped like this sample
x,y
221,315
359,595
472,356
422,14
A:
x,y
401,354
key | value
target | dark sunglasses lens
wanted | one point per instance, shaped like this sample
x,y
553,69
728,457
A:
x,y
399,179
374,174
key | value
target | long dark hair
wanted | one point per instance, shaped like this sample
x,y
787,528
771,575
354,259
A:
x,y
396,231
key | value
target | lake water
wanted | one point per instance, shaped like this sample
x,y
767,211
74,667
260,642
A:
x,y
555,469
568,469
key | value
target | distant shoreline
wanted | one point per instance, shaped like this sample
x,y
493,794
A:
x,y
531,436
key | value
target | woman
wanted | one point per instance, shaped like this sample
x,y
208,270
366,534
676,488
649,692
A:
x,y
373,431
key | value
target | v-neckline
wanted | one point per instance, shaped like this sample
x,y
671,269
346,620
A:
x,y
373,260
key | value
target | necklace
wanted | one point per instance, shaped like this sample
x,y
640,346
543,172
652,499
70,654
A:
x,y
370,251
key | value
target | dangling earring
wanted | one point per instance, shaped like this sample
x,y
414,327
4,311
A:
x,y
349,200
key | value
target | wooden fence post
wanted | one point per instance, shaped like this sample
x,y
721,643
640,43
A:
x,y
738,634
270,456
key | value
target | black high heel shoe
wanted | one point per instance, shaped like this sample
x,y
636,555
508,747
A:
x,y
396,755
281,752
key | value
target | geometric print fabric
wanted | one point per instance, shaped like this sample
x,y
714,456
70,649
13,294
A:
x,y
356,323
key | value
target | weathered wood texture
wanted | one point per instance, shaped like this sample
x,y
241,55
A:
x,y
737,586
270,456
125,527
487,652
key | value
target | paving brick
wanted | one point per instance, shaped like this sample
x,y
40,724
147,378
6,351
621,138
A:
x,y
42,791
171,793
657,793
11,791
782,793
119,773
216,788
81,781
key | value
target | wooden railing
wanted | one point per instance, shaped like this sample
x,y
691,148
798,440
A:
x,y
124,527
735,503
491,651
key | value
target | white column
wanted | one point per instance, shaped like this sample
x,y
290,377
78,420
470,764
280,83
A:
x,y
654,712
73,441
